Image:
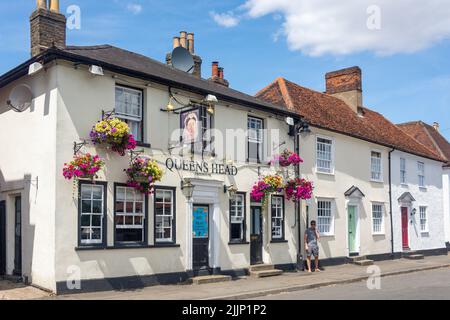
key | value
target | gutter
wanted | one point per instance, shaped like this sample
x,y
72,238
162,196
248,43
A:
x,y
390,201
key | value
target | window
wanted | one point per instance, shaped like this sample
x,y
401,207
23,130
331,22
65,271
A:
x,y
376,166
129,216
277,218
423,219
325,217
164,215
324,156
421,170
129,107
255,139
92,209
377,219
237,218
402,170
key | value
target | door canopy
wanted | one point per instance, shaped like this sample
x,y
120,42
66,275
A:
x,y
354,192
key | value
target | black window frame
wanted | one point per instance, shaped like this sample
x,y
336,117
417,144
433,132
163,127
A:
x,y
120,244
174,218
142,142
105,214
283,225
244,228
260,156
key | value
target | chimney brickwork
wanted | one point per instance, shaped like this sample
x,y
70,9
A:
x,y
346,84
217,75
48,28
186,40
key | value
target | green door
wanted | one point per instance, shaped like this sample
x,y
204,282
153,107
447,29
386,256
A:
x,y
352,229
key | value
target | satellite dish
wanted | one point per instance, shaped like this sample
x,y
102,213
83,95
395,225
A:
x,y
182,60
20,98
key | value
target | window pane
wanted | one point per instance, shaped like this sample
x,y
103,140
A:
x,y
97,206
85,220
96,221
236,231
86,206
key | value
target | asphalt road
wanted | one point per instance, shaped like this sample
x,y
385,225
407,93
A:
x,y
424,285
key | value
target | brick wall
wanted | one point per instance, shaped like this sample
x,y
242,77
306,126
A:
x,y
47,29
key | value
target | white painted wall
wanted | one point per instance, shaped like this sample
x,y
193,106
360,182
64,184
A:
x,y
446,192
352,168
28,144
431,197
80,101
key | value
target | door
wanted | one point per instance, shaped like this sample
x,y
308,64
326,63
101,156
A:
x,y
2,238
352,229
200,233
256,236
18,237
405,240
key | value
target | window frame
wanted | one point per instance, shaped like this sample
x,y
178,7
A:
x,y
283,219
262,157
146,222
426,230
244,222
331,232
382,227
381,179
122,117
104,242
174,216
419,175
403,172
332,161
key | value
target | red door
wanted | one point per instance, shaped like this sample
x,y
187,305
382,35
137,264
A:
x,y
405,228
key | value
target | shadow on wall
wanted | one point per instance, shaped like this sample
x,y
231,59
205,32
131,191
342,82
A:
x,y
8,190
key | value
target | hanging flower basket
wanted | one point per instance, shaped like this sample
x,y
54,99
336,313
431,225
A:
x,y
115,133
298,189
286,159
266,186
83,166
143,174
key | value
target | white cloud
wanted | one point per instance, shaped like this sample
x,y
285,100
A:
x,y
343,27
134,8
226,20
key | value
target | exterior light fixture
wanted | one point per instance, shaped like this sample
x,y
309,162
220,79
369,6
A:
x,y
170,106
413,212
210,109
211,99
35,68
188,188
289,121
232,191
96,70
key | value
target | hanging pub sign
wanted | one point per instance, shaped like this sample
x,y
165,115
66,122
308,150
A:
x,y
201,167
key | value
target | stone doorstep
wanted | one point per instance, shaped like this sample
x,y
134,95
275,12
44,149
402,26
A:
x,y
211,279
261,267
357,258
412,255
363,263
266,273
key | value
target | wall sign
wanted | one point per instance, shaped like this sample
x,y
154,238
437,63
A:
x,y
201,167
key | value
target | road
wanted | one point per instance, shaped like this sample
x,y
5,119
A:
x,y
424,285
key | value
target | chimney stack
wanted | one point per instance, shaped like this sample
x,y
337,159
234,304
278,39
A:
x,y
436,126
346,84
186,40
217,75
47,26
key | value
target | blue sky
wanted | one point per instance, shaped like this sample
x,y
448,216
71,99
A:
x,y
406,71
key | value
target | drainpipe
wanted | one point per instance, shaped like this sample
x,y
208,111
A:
x,y
390,202
300,264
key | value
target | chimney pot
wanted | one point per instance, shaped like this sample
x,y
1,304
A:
x,y
215,69
221,73
176,42
54,5
41,4
183,40
190,38
436,126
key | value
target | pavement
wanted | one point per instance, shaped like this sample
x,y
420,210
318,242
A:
x,y
10,290
422,285
248,287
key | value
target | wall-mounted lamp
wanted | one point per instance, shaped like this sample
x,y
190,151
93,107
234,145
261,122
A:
x,y
170,106
188,188
35,68
232,190
413,212
302,127
211,100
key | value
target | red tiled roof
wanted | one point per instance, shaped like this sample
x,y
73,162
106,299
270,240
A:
x,y
327,112
429,136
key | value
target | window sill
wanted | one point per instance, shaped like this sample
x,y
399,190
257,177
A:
x,y
378,234
144,145
404,185
92,248
424,189
376,181
165,245
279,241
234,243
327,235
